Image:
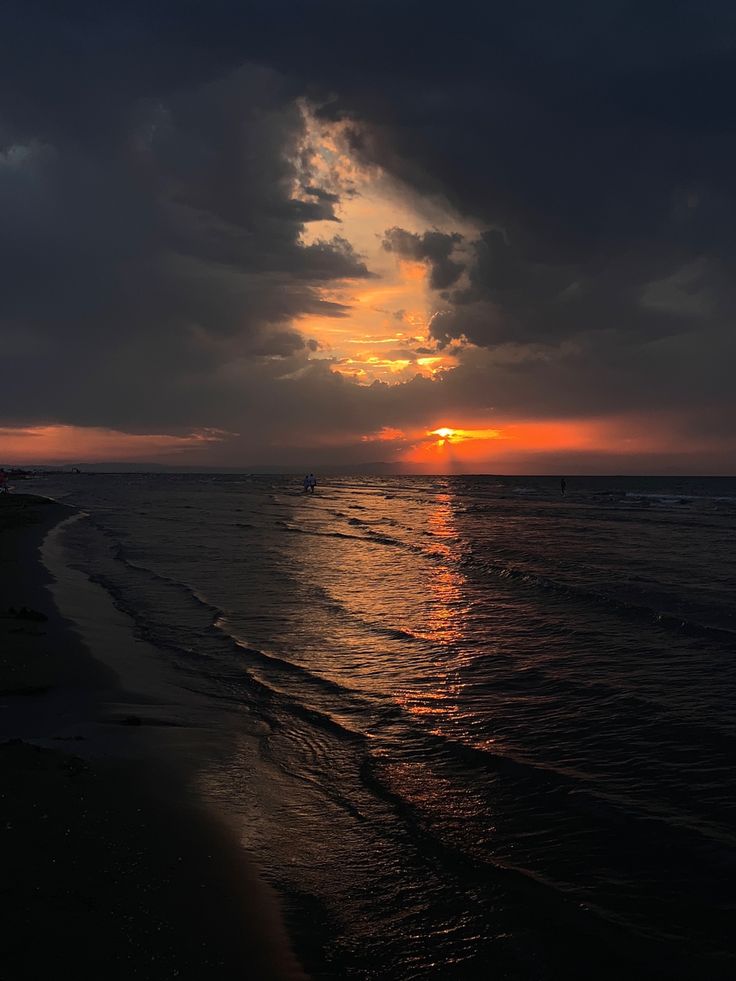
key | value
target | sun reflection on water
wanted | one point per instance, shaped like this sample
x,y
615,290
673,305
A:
x,y
444,607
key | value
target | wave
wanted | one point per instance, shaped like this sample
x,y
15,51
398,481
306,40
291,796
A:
x,y
381,711
680,498
568,906
371,537
642,611
282,665
177,584
662,618
415,741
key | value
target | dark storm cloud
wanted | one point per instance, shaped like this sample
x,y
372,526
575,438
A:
x,y
322,195
139,270
597,143
153,192
433,247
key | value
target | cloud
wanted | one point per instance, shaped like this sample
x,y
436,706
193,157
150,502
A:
x,y
139,275
157,185
432,247
592,144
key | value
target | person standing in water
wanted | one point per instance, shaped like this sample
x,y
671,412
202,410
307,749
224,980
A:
x,y
305,483
563,486
312,482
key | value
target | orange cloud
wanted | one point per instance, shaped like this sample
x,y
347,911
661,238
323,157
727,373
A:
x,y
447,435
470,444
384,435
76,444
520,442
400,294
412,271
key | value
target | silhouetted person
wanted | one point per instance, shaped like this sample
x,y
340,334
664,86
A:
x,y
312,482
563,486
305,483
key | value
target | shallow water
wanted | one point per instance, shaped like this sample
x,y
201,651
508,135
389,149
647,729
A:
x,y
495,726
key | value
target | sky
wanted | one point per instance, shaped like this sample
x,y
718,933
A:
x,y
471,238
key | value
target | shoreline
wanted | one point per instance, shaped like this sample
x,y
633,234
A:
x,y
112,868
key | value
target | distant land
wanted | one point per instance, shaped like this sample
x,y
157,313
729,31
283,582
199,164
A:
x,y
128,467
377,468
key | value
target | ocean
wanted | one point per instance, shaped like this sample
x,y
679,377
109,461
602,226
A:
x,y
467,726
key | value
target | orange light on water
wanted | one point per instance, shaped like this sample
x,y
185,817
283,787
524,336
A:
x,y
443,620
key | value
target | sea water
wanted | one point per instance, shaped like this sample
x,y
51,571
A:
x,y
470,726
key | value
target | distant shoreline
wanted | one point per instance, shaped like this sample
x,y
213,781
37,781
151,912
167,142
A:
x,y
25,471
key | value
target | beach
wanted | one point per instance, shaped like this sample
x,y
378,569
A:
x,y
110,867
403,728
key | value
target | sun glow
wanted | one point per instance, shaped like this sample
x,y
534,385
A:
x,y
394,307
447,435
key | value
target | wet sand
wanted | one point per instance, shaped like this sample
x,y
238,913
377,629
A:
x,y
110,868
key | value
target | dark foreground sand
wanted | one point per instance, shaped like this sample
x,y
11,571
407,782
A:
x,y
109,871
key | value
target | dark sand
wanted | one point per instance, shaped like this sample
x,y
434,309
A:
x,y
109,870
